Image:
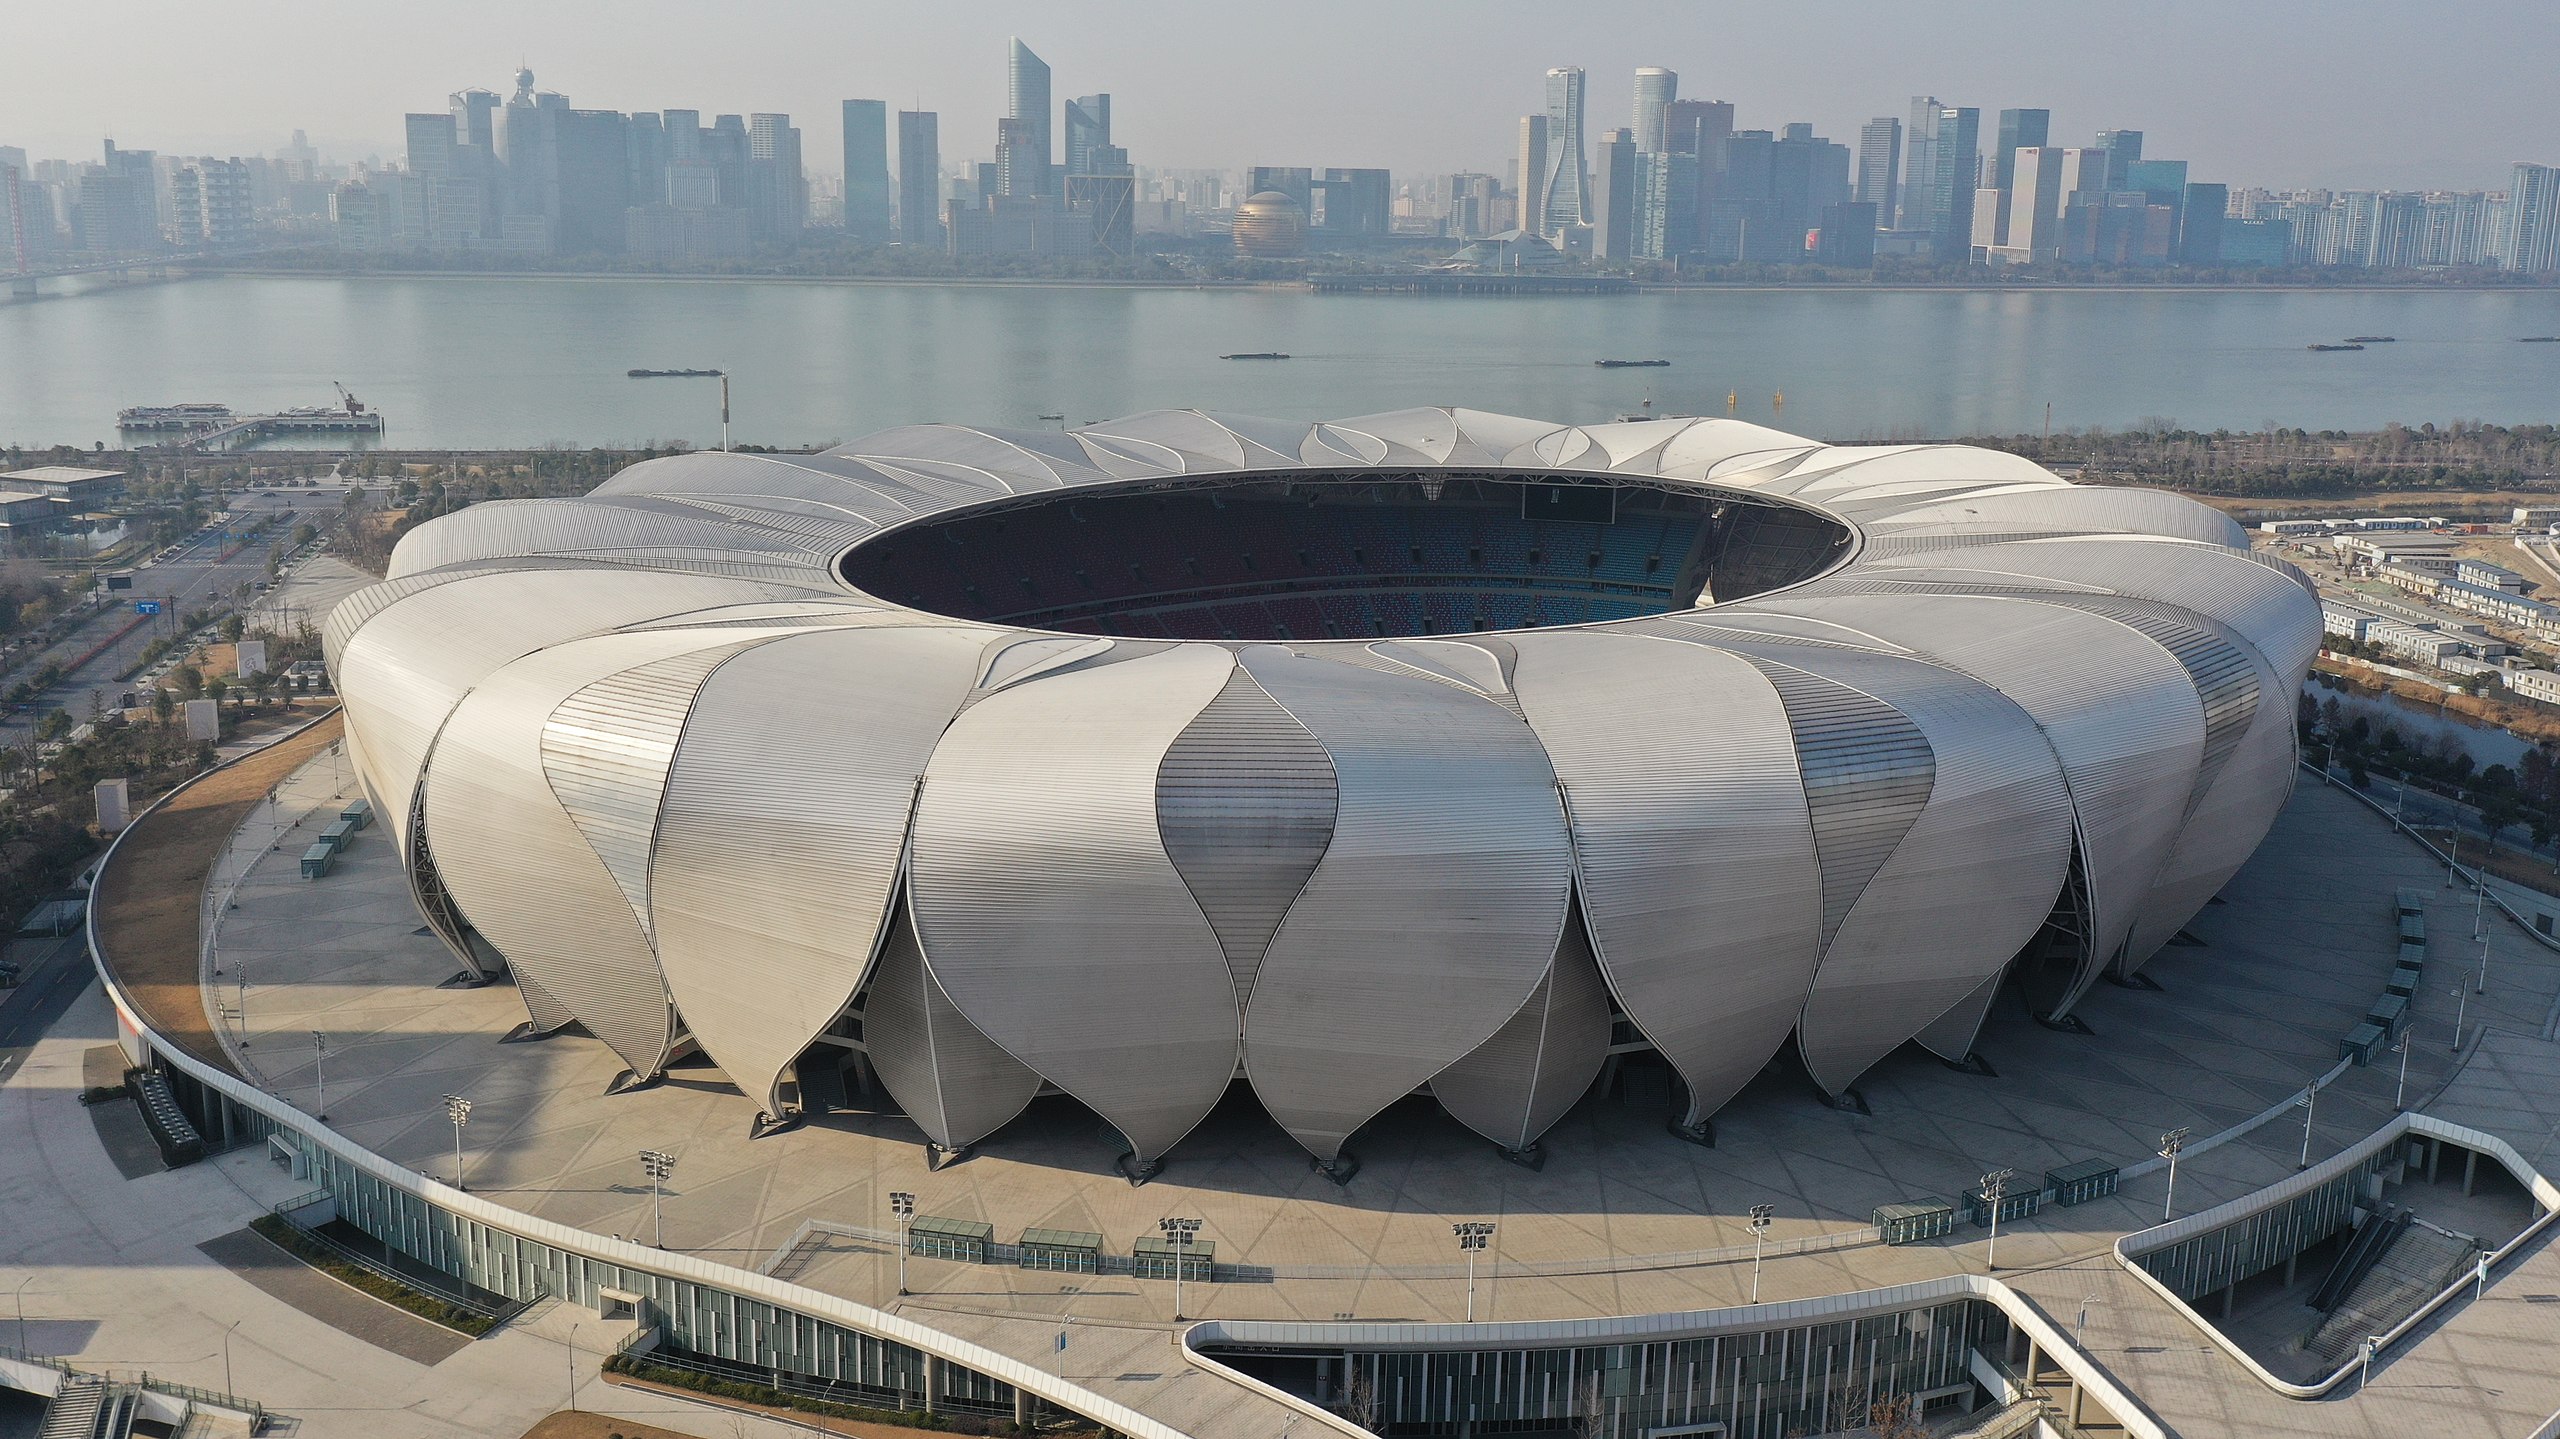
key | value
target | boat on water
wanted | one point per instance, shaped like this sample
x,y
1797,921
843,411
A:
x,y
1255,355
1632,364
2540,340
672,374
172,417
2372,339
2333,347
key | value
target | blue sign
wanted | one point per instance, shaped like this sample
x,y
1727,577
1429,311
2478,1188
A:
x,y
146,607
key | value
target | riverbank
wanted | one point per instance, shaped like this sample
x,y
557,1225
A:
x,y
1302,287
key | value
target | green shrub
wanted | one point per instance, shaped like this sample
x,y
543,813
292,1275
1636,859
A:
x,y
280,1232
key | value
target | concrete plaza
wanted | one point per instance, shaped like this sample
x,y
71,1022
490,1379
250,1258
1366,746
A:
x,y
1624,1219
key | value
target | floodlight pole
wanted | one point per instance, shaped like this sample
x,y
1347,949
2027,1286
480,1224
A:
x,y
659,1165
2481,984
2400,1091
1473,1236
320,1072
1177,1233
902,1205
1760,1218
2461,1001
457,1109
2172,1144
1995,1187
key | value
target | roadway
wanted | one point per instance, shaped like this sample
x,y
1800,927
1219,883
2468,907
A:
x,y
196,575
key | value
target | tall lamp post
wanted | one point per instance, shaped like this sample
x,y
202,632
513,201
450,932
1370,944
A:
x,y
2172,1144
2400,1091
724,396
1761,1216
1473,1236
659,1165
457,1109
1995,1187
1178,1234
227,1386
2310,1106
2461,1002
320,1072
21,1298
2480,985
902,1206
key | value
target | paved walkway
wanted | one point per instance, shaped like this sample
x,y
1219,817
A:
x,y
149,902
341,1307
110,1276
2241,1022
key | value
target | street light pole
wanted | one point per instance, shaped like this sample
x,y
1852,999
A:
x,y
2481,985
1473,1235
1995,1187
2172,1144
21,1299
320,1072
2400,1092
457,1109
227,1386
2461,1000
573,1367
2372,1342
659,1165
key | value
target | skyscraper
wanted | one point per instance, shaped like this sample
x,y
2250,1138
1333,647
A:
x,y
1018,168
2124,150
1568,183
2035,203
1656,88
1879,158
1027,102
777,191
919,179
1613,203
1958,169
2201,214
2531,236
866,170
1531,167
1088,133
2019,129
1920,167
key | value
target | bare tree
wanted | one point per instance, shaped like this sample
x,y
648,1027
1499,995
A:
x,y
1896,1416
1360,1399
1590,1419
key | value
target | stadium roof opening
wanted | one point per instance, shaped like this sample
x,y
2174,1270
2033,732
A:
x,y
1344,556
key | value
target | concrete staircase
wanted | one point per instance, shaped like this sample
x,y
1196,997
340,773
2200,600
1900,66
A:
x,y
88,1407
75,1409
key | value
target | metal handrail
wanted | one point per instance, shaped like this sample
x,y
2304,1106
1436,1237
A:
x,y
193,1394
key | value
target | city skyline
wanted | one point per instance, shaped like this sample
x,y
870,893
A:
x,y
1218,96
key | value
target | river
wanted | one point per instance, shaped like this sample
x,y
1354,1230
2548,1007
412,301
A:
x,y
504,361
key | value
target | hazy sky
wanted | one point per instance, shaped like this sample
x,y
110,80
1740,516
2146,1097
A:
x,y
2349,93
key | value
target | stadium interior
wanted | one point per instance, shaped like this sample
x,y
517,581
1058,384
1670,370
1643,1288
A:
x,y
1349,557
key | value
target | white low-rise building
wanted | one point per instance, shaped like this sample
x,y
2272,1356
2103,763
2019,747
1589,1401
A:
x,y
2540,685
2489,576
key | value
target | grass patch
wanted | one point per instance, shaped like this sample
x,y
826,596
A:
x,y
637,1366
433,1308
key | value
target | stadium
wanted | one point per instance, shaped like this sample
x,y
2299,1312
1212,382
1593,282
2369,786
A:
x,y
1193,759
